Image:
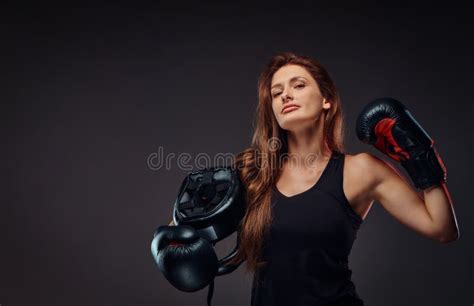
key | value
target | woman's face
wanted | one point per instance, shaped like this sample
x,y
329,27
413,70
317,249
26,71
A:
x,y
293,85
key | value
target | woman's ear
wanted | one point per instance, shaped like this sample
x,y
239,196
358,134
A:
x,y
326,104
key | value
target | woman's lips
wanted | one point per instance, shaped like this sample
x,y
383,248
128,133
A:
x,y
289,109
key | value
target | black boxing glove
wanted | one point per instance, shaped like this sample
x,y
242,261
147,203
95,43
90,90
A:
x,y
187,261
389,126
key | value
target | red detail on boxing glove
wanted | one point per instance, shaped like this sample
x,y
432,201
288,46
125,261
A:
x,y
441,163
386,142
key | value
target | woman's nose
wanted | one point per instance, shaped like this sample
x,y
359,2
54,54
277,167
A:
x,y
285,96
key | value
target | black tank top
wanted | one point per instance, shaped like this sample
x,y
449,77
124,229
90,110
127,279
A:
x,y
308,245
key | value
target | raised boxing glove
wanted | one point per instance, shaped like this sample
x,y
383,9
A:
x,y
389,126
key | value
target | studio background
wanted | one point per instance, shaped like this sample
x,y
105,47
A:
x,y
90,93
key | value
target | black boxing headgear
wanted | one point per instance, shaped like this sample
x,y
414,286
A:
x,y
212,201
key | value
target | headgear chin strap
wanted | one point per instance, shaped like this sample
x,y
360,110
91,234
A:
x,y
212,201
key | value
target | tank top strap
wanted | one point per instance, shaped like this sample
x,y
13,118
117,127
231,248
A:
x,y
333,185
333,174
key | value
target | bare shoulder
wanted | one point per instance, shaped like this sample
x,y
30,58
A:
x,y
370,168
361,174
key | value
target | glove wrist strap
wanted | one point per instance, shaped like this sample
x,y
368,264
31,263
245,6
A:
x,y
426,169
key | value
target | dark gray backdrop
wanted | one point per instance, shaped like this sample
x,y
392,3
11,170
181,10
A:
x,y
88,94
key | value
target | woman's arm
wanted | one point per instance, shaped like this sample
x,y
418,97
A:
x,y
432,216
440,205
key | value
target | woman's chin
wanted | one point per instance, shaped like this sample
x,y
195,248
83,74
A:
x,y
297,124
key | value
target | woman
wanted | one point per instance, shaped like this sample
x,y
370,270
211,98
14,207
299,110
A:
x,y
307,198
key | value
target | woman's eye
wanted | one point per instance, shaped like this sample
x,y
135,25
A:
x,y
297,86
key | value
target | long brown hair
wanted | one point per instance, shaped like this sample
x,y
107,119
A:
x,y
253,163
